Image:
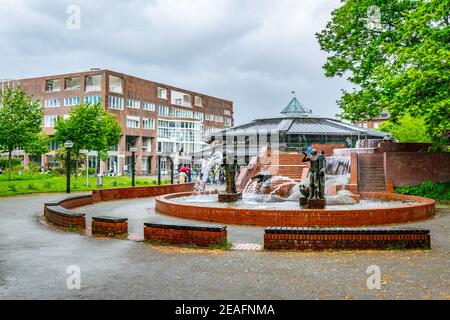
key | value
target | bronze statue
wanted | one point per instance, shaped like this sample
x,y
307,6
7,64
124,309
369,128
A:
x,y
317,174
230,176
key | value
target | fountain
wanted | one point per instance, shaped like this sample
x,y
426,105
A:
x,y
274,200
207,165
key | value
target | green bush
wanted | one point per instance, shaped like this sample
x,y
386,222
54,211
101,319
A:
x,y
12,188
428,189
58,171
91,172
14,162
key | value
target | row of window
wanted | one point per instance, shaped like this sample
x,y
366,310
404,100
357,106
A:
x,y
92,83
135,122
71,101
50,120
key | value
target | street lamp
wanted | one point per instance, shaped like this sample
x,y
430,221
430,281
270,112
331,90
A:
x,y
68,144
133,164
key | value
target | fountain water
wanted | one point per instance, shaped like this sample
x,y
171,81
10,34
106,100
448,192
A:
x,y
207,165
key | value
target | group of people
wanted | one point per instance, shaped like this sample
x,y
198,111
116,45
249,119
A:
x,y
186,175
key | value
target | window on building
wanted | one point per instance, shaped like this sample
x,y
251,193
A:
x,y
227,121
50,121
133,122
163,110
376,125
115,103
93,83
209,117
181,113
180,98
149,106
92,99
70,102
198,115
53,85
162,93
198,101
148,124
115,84
147,144
135,104
227,112
52,103
218,118
72,83
54,145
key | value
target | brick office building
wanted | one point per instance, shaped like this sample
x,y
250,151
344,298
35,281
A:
x,y
156,118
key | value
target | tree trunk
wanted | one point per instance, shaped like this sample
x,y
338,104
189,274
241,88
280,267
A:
x,y
9,164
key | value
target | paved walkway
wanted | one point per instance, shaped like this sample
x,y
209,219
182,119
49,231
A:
x,y
34,261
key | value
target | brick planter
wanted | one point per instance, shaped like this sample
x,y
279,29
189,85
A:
x,y
64,217
203,236
109,225
281,238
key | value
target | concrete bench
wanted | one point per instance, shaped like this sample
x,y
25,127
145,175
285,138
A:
x,y
287,238
64,217
201,235
109,225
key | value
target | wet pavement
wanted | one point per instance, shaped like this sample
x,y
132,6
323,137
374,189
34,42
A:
x,y
34,260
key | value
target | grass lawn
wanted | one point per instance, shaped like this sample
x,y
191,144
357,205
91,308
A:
x,y
42,184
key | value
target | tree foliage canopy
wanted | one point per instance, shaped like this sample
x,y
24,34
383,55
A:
x,y
398,60
407,129
90,127
20,121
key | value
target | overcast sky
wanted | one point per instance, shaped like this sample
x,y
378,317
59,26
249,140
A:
x,y
253,52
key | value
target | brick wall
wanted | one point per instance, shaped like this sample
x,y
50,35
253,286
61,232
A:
x,y
62,220
340,239
413,168
328,148
139,192
177,236
104,227
389,146
424,208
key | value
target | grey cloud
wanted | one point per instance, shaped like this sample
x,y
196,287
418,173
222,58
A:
x,y
253,52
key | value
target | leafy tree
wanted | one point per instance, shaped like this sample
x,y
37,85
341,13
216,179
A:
x,y
38,146
402,65
20,122
90,127
408,129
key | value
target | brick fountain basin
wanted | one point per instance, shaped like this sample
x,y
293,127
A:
x,y
405,209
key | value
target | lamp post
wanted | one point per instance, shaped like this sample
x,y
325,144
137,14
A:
x,y
159,170
133,164
68,144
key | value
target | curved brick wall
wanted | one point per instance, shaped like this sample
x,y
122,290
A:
x,y
139,192
303,218
59,212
